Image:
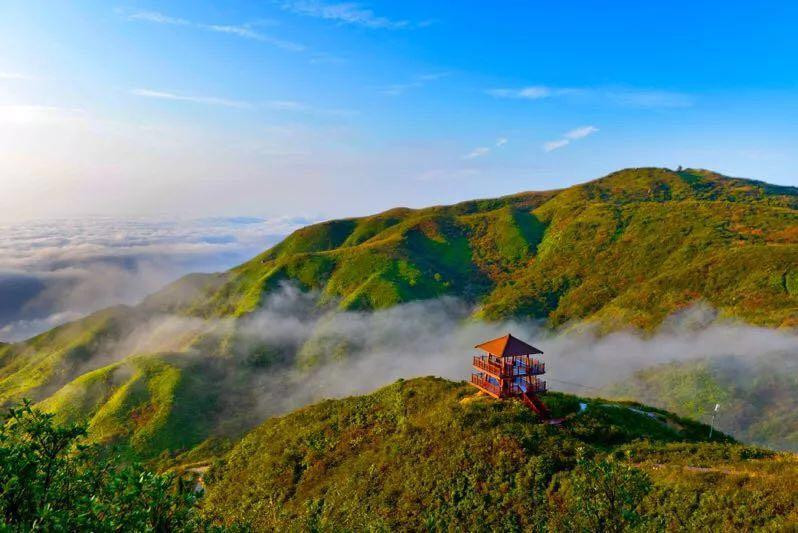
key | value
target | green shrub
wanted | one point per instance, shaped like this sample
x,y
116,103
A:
x,y
52,482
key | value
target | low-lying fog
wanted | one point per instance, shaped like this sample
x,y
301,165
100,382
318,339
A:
x,y
436,338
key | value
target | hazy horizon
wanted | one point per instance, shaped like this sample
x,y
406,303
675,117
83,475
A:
x,y
325,109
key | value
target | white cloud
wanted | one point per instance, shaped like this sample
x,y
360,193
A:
x,y
480,151
626,97
158,18
248,33
572,135
276,105
580,133
245,31
346,13
241,31
210,100
554,145
525,93
53,271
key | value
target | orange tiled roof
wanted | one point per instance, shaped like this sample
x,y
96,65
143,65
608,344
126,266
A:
x,y
507,346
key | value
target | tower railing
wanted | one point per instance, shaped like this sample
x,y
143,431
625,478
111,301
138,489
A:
x,y
483,362
483,383
534,386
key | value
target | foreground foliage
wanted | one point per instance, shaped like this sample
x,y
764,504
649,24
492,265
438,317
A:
x,y
49,481
426,454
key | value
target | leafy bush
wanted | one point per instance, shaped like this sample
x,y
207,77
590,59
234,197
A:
x,y
52,482
602,495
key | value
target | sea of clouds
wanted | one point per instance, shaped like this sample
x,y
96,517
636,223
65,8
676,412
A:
x,y
54,271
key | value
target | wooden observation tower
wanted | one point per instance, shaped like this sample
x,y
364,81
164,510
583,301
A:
x,y
509,371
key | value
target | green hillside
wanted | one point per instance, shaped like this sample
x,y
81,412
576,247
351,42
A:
x,y
758,396
429,454
627,250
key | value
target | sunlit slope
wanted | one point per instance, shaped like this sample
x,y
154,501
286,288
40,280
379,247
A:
x,y
145,404
41,365
46,362
627,249
426,454
137,378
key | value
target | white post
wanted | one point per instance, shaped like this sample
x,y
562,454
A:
x,y
712,424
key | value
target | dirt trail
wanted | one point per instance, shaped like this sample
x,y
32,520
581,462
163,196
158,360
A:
x,y
704,469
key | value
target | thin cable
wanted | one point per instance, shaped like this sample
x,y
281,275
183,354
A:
x,y
572,383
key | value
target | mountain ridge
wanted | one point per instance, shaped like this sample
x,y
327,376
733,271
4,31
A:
x,y
396,255
624,251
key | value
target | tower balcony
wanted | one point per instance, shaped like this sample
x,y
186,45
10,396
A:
x,y
483,384
531,385
535,385
508,369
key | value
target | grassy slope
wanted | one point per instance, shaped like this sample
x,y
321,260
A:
x,y
146,403
425,453
44,363
629,248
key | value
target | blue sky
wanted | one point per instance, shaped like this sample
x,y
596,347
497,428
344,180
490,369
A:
x,y
317,108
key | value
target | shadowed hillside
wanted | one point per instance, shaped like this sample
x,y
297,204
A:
x,y
625,251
